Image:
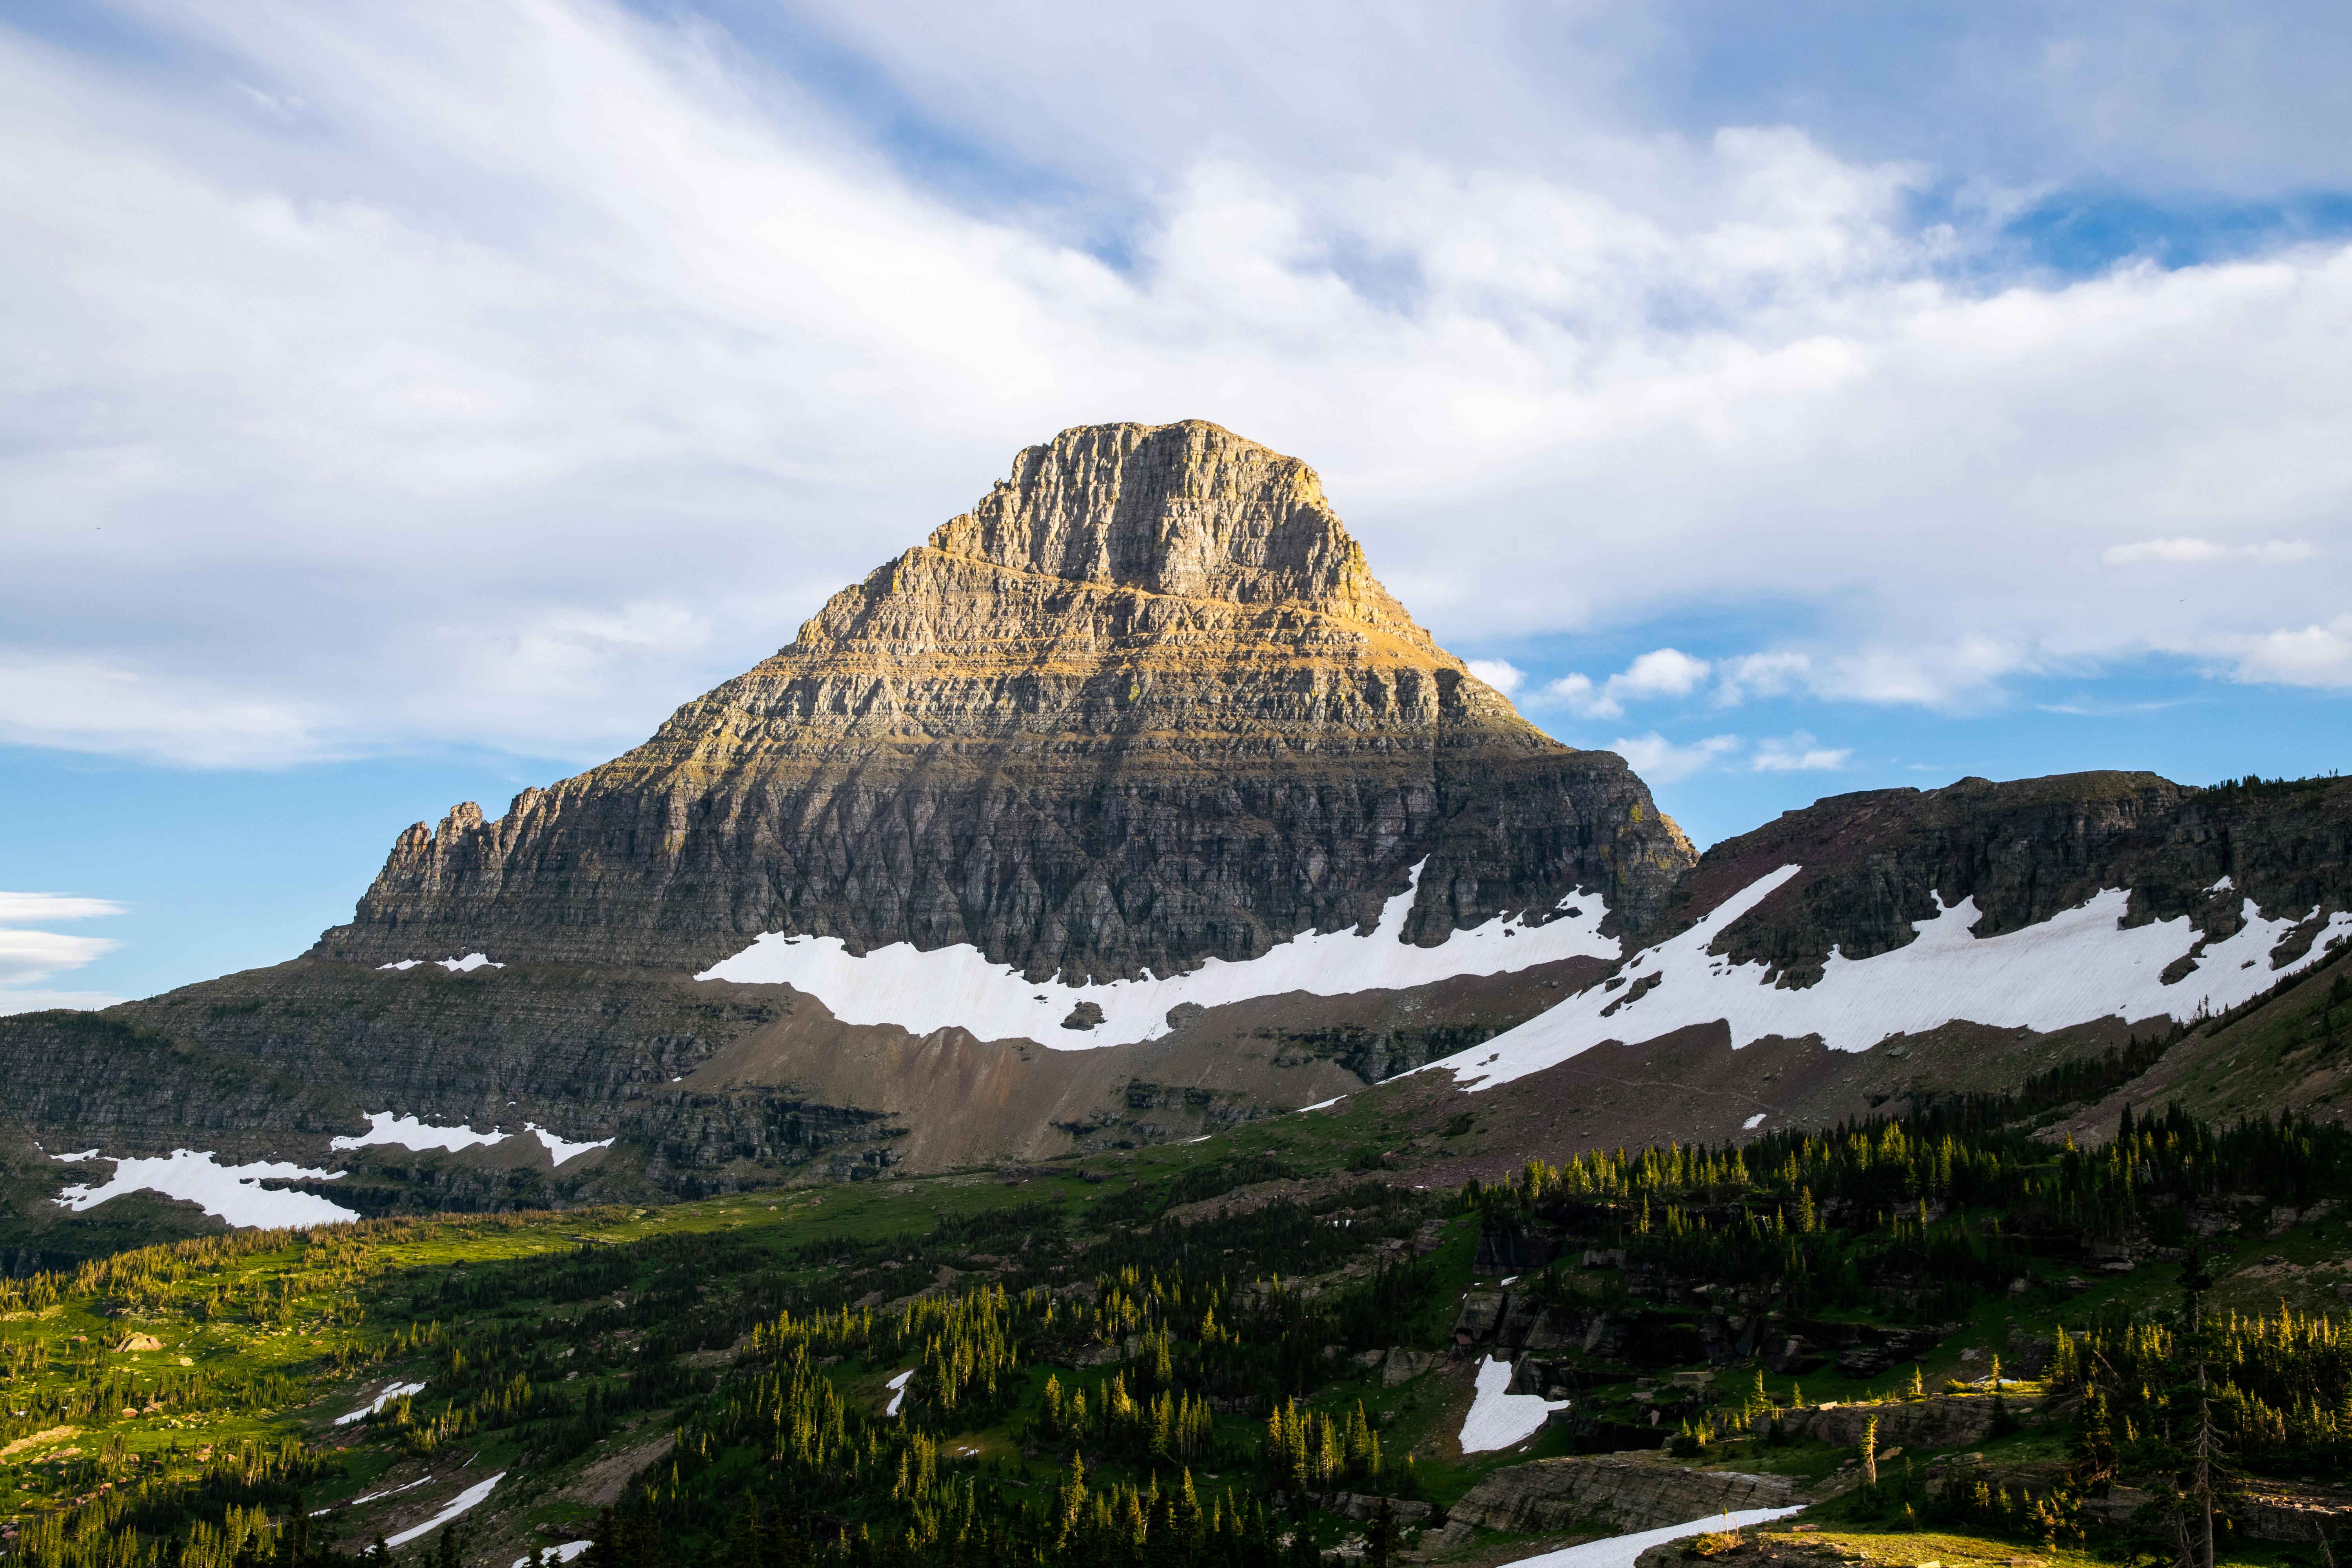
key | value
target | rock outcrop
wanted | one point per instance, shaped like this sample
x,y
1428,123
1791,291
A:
x,y
1939,1421
1144,705
1626,1492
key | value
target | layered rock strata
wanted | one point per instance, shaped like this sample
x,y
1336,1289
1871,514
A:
x,y
1144,705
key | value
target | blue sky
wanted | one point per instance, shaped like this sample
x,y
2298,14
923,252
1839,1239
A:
x,y
407,404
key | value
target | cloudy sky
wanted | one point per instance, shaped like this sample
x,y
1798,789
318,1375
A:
x,y
407,402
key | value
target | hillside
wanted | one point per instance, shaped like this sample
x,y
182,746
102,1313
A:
x,y
1937,1335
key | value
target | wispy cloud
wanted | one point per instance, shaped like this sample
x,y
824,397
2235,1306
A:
x,y
94,705
29,955
1797,753
1761,675
17,909
1661,761
2186,552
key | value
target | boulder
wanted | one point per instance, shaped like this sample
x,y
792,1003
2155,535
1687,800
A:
x,y
1403,1366
1481,1310
2277,1510
1362,1506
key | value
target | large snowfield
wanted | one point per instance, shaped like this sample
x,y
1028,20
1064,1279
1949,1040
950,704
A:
x,y
950,986
231,1193
234,1193
2080,965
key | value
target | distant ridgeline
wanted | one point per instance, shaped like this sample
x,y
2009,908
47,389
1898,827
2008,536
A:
x,y
1128,809
1238,1356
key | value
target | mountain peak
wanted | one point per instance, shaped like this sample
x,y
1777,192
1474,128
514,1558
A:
x,y
1188,510
1142,706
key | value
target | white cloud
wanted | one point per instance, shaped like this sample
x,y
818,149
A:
x,y
1962,673
2317,656
37,954
1660,760
1663,672
1503,675
17,908
1797,753
2270,553
516,371
1579,696
89,705
1761,675
28,955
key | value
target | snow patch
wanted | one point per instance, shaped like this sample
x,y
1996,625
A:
x,y
230,1193
1620,1551
2223,886
921,992
1753,1122
398,1391
74,1159
562,1149
563,1553
897,1387
388,1491
1497,1419
2081,963
457,1505
1322,1104
465,965
415,1133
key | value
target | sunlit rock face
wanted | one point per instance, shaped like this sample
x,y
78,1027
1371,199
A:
x,y
1144,705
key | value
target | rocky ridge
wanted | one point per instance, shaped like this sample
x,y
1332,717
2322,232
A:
x,y
2025,850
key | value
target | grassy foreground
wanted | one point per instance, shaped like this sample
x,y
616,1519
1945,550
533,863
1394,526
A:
x,y
1191,1355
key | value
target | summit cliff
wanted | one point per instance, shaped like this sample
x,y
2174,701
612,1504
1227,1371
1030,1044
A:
x,y
1145,704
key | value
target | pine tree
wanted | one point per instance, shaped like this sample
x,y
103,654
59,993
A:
x,y
1381,1541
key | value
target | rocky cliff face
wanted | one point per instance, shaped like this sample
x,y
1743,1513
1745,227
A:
x,y
1875,862
1145,704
